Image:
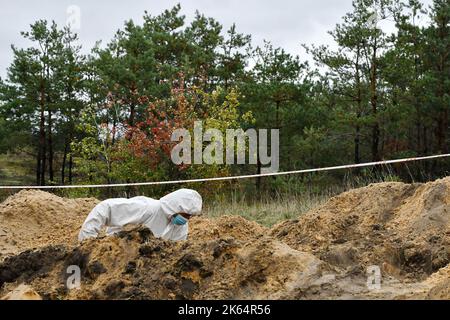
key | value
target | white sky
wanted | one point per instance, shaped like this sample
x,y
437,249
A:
x,y
286,23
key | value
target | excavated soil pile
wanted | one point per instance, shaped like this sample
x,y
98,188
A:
x,y
403,229
136,265
33,218
203,229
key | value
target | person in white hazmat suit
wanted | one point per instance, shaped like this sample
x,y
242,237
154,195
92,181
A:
x,y
167,217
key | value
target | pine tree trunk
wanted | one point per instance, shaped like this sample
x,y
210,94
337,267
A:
x,y
357,142
258,179
50,147
38,165
374,104
42,151
70,168
277,114
441,130
63,165
359,109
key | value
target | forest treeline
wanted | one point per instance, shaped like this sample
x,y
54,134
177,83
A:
x,y
107,117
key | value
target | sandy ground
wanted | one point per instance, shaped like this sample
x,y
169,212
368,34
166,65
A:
x,y
31,219
402,230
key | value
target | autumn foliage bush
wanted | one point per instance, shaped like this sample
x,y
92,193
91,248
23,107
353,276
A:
x,y
142,152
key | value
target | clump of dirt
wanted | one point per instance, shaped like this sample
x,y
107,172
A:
x,y
22,292
34,218
403,228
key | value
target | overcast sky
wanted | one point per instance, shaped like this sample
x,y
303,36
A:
x,y
286,23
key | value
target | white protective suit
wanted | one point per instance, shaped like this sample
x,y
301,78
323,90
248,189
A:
x,y
154,214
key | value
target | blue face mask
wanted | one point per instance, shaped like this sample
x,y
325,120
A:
x,y
179,220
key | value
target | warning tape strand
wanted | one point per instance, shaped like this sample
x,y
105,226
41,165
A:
x,y
250,176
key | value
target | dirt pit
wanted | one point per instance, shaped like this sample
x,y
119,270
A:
x,y
400,230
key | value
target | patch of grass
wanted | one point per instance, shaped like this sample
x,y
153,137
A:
x,y
268,211
15,169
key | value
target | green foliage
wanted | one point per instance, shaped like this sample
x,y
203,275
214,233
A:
x,y
108,117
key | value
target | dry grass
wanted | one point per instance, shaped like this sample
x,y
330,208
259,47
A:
x,y
267,211
15,169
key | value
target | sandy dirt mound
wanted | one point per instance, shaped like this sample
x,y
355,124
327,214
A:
x,y
404,229
233,226
135,265
33,218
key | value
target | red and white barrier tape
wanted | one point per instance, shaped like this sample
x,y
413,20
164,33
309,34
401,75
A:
x,y
359,165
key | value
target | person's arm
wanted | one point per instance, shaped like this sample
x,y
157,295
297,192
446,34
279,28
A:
x,y
175,233
181,234
114,213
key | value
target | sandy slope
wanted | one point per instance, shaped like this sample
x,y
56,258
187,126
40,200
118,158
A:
x,y
32,218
